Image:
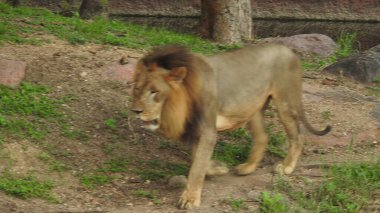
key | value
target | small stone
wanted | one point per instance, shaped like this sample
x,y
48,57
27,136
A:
x,y
320,151
124,60
254,195
135,180
57,54
254,208
83,74
178,181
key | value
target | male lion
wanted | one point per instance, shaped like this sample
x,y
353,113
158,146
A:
x,y
190,97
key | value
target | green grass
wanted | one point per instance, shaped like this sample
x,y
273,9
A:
x,y
146,194
345,48
73,133
21,24
375,88
103,175
273,203
347,188
54,165
26,187
237,204
232,153
26,111
30,112
116,165
157,169
111,123
91,181
277,141
326,115
237,149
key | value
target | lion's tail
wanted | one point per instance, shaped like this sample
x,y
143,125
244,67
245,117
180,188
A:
x,y
311,128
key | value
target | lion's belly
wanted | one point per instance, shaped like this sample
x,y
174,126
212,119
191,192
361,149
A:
x,y
225,123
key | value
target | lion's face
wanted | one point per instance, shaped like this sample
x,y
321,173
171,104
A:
x,y
149,95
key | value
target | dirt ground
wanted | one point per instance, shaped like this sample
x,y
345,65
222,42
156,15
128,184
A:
x,y
77,71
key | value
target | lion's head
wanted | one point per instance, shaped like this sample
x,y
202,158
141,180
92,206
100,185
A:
x,y
165,90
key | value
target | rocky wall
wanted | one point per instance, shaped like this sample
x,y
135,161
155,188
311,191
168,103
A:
x,y
351,10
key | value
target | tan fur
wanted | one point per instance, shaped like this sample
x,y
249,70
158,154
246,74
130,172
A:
x,y
189,97
175,112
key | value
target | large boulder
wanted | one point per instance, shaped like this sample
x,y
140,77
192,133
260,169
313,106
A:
x,y
307,44
12,72
363,67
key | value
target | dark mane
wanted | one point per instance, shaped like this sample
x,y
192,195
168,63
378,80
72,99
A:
x,y
169,57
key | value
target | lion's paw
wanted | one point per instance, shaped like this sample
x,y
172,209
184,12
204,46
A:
x,y
245,169
217,168
189,200
283,170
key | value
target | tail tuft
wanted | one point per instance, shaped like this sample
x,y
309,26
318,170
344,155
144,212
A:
x,y
323,132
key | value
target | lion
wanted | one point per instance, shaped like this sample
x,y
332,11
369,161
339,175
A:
x,y
190,97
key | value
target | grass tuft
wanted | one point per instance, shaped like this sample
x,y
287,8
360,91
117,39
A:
x,y
25,112
348,188
93,180
273,203
26,187
346,47
157,169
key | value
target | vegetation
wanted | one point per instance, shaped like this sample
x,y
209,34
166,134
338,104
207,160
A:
x,y
157,169
237,151
24,112
93,180
346,47
273,203
347,188
54,165
237,204
146,194
26,187
23,24
375,88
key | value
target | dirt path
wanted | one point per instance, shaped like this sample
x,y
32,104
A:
x,y
67,69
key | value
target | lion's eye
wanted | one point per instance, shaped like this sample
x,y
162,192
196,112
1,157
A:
x,y
153,92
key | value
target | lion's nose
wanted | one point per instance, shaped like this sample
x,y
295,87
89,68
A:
x,y
137,111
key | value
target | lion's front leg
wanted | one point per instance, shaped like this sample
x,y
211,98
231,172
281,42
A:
x,y
215,167
191,197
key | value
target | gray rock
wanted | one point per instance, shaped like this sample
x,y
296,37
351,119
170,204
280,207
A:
x,y
12,72
363,67
307,44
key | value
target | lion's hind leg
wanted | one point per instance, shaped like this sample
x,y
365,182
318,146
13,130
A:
x,y
256,127
289,120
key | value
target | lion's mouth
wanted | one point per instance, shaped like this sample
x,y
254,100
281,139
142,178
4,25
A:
x,y
151,124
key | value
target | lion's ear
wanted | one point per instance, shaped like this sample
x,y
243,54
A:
x,y
177,74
